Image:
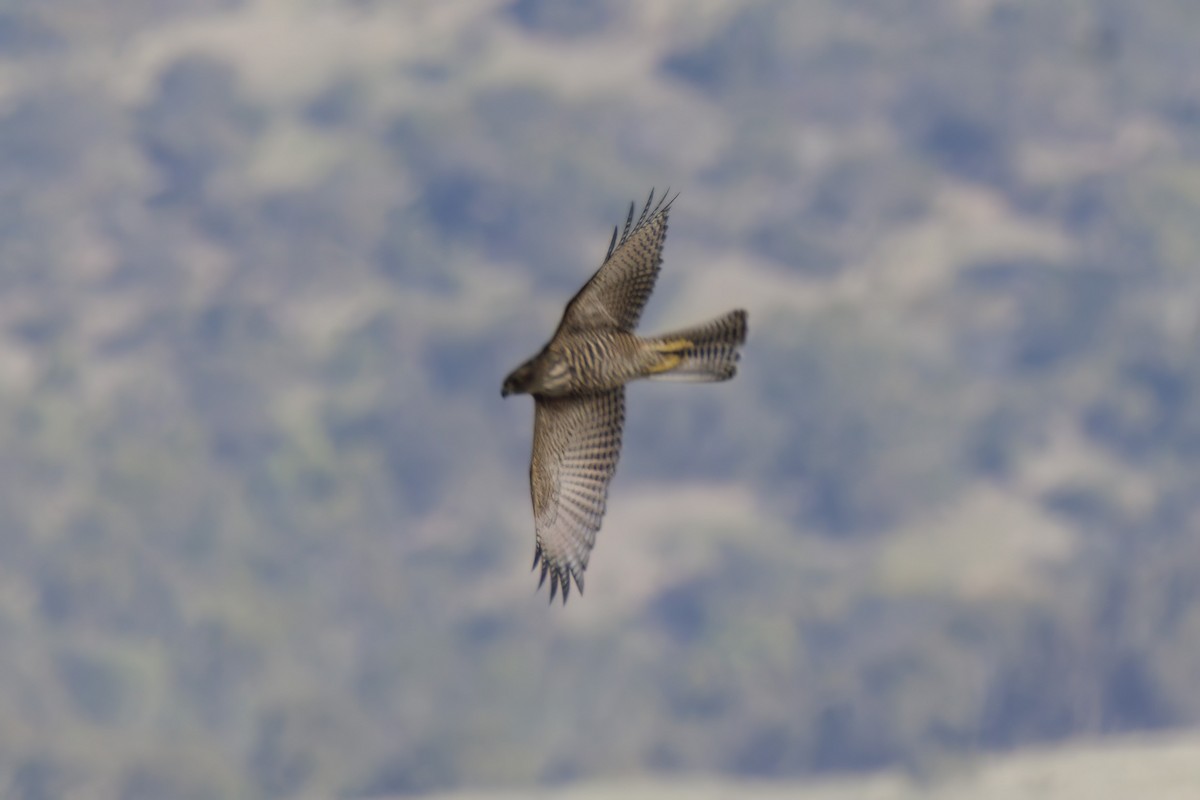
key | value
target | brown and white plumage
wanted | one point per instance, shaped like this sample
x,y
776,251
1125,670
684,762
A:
x,y
577,381
576,443
617,293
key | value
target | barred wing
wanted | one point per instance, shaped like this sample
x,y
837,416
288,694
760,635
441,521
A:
x,y
576,443
617,293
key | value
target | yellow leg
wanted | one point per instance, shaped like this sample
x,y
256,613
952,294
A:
x,y
670,351
674,345
669,362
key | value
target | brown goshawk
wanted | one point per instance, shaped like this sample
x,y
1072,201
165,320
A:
x,y
577,382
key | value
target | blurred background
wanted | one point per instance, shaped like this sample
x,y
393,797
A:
x,y
264,518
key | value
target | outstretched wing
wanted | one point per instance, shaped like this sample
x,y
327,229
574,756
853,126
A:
x,y
617,293
576,443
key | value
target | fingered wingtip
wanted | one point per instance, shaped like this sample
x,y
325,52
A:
x,y
556,577
560,578
664,200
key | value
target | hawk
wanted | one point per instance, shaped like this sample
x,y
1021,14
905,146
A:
x,y
578,386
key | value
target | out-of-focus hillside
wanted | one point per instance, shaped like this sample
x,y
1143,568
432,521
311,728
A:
x,y
264,524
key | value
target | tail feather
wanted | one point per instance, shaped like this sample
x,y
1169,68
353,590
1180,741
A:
x,y
707,352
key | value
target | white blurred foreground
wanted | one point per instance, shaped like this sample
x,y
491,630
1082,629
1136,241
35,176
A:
x,y
1159,767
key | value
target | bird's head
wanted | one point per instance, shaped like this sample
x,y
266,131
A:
x,y
520,380
546,373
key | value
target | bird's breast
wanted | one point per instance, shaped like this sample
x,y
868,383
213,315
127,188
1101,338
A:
x,y
601,360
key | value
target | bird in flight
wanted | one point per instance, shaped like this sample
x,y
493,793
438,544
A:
x,y
578,386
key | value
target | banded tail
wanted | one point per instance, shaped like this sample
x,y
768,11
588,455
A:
x,y
705,353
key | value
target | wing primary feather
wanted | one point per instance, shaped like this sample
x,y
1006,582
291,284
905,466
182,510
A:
x,y
545,569
537,556
628,221
645,210
553,585
612,244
